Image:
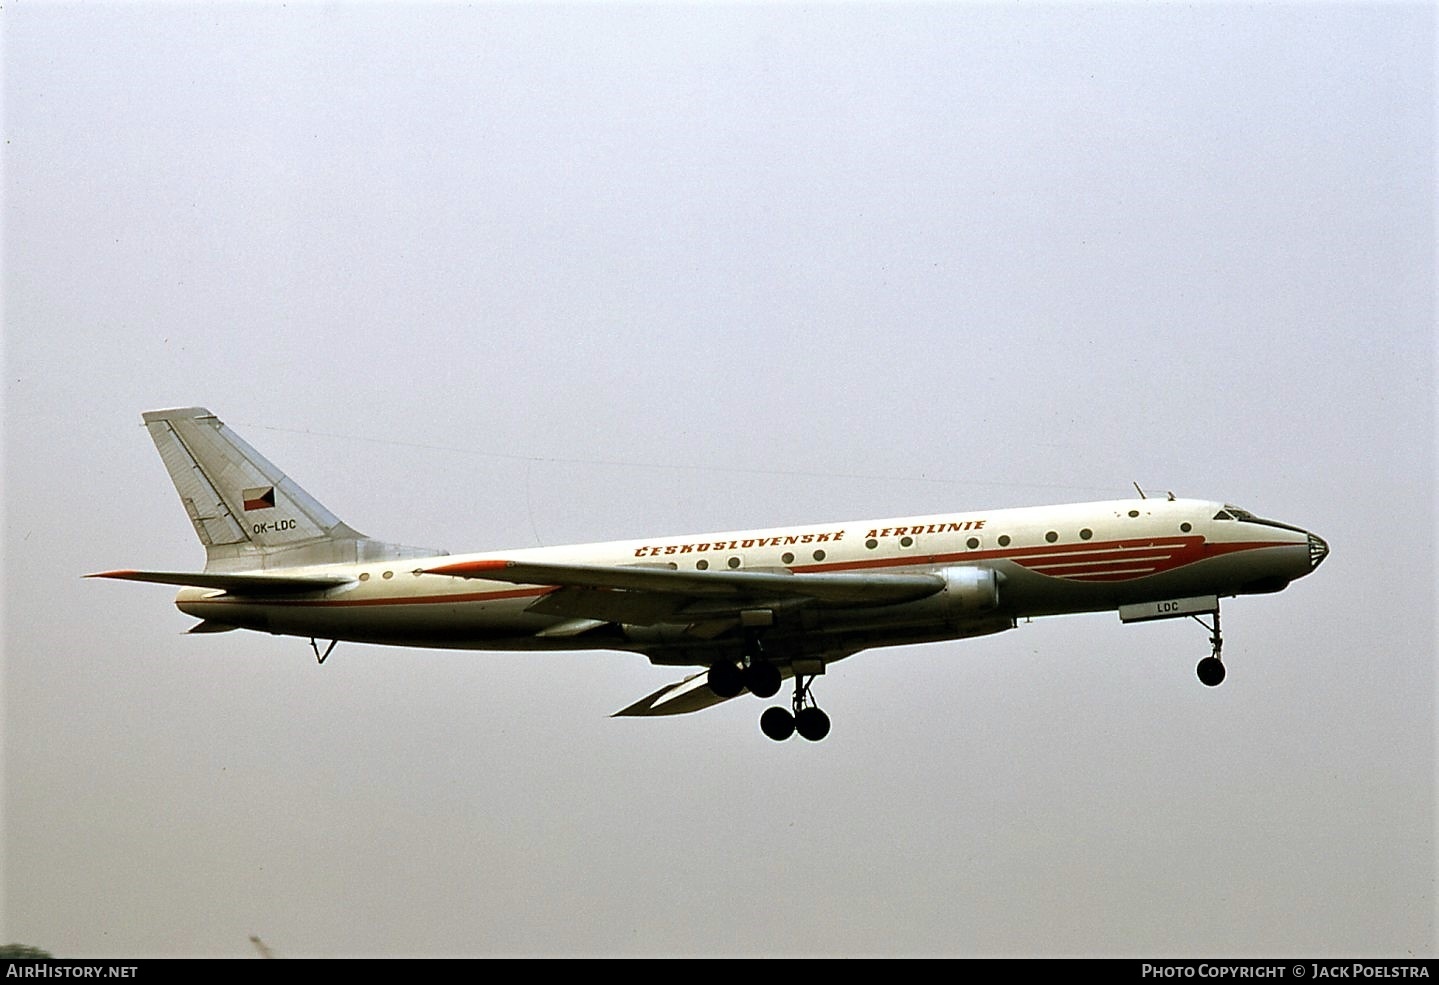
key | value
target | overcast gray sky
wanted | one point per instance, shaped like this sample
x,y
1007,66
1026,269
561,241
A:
x,y
498,275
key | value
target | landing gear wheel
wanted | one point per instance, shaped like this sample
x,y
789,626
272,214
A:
x,y
762,678
812,723
807,719
777,723
725,679
1211,668
1211,671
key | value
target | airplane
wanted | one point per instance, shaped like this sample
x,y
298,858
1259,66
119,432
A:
x,y
750,609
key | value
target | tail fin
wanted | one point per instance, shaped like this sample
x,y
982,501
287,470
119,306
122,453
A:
x,y
246,512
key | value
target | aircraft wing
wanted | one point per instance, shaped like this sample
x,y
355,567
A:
x,y
709,602
648,595
246,583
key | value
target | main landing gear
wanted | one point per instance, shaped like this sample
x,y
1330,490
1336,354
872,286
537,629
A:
x,y
763,679
807,719
1211,668
757,673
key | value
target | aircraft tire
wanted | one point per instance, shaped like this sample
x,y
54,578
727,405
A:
x,y
725,679
762,678
777,723
1210,671
812,723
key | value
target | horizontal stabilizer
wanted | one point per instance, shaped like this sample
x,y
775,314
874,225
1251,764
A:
x,y
234,583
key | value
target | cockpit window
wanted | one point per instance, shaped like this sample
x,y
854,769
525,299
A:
x,y
1244,516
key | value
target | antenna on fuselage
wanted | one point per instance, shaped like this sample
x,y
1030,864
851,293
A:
x,y
1138,490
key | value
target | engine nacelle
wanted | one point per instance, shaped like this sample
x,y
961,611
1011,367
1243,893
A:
x,y
969,589
968,594
970,597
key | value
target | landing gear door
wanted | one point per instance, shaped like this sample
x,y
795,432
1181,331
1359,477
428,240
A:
x,y
1169,608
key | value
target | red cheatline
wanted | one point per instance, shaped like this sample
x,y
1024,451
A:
x,y
463,568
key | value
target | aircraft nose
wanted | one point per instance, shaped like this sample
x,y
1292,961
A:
x,y
1318,551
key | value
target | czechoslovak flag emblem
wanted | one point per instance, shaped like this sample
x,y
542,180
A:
x,y
259,499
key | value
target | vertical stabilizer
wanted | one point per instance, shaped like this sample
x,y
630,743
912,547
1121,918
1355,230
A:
x,y
246,512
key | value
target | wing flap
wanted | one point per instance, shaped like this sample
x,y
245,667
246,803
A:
x,y
681,698
210,626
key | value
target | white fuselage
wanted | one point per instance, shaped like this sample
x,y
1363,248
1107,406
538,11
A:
x,y
1045,560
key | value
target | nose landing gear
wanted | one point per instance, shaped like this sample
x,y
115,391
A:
x,y
1211,668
